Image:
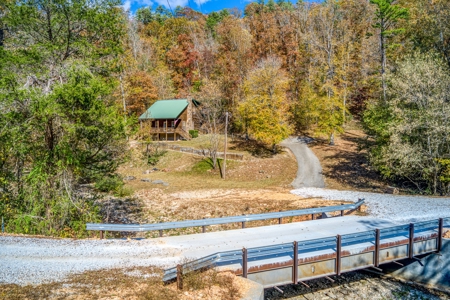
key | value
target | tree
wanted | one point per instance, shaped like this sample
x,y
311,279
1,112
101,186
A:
x,y
57,111
140,92
212,112
144,15
411,129
264,110
387,15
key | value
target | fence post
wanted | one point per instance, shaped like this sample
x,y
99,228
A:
x,y
440,234
179,277
411,240
338,254
244,263
377,248
295,266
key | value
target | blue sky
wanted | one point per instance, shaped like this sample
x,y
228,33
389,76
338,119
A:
x,y
205,6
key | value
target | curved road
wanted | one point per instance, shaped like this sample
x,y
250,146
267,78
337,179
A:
x,y
309,172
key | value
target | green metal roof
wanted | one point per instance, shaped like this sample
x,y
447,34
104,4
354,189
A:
x,y
165,109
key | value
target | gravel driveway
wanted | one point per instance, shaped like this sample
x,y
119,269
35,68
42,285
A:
x,y
395,208
309,172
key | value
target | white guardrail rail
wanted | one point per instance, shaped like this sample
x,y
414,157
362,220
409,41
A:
x,y
225,220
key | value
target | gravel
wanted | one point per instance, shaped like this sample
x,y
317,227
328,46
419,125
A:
x,y
395,208
38,260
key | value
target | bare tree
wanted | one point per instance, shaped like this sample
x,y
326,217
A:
x,y
212,114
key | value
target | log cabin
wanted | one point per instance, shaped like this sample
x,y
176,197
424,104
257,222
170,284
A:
x,y
170,120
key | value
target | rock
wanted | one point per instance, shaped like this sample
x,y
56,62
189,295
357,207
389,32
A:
x,y
147,172
129,178
261,171
391,190
165,184
158,181
165,170
155,169
145,180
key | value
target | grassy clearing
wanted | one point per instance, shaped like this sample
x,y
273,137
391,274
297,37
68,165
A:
x,y
140,283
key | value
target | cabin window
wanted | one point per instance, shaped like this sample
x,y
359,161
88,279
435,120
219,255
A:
x,y
172,123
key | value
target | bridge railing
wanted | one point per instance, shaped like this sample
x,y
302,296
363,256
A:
x,y
303,260
225,220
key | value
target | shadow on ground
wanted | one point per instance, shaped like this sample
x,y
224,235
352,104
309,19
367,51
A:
x,y
345,165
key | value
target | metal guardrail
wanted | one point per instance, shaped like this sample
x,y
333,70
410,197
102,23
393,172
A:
x,y
217,221
361,250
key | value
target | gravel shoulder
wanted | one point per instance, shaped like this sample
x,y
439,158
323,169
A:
x,y
309,172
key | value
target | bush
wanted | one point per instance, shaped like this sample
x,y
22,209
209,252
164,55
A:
x,y
153,158
193,133
109,184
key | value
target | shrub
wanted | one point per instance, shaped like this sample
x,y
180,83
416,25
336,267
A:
x,y
193,133
109,184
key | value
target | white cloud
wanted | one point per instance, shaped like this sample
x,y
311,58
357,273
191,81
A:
x,y
182,3
127,3
200,2
173,3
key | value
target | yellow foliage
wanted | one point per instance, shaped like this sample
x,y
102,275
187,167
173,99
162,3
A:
x,y
265,108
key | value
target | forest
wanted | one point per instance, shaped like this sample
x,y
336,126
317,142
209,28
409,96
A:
x,y
75,75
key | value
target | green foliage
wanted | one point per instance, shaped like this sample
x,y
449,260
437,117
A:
x,y
215,18
193,133
203,166
107,184
60,127
153,153
387,15
144,15
410,130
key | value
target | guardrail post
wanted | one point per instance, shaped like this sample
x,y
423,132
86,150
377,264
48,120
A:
x,y
3,226
338,254
377,248
203,228
101,234
244,262
243,223
179,277
295,266
160,231
312,217
280,220
411,240
342,212
440,234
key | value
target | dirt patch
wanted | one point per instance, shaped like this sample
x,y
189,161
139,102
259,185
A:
x,y
344,166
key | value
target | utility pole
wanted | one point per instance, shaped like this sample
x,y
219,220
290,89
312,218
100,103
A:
x,y
225,150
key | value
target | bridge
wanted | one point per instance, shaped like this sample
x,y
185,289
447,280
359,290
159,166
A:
x,y
306,259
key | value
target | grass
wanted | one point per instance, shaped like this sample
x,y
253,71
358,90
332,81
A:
x,y
141,283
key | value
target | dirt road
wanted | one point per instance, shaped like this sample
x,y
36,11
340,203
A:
x,y
309,172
